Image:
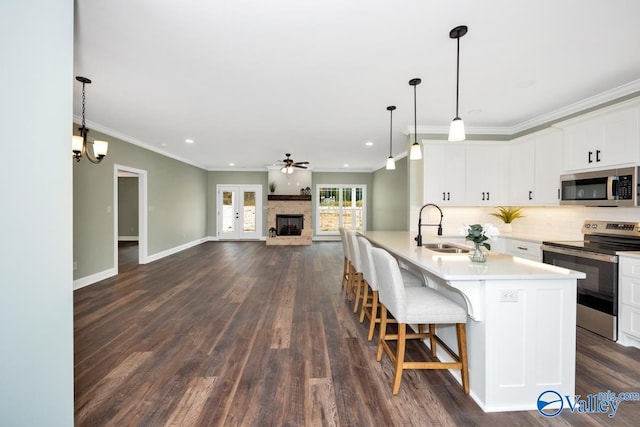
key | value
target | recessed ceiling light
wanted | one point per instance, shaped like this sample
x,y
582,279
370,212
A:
x,y
346,165
189,141
163,145
368,143
231,164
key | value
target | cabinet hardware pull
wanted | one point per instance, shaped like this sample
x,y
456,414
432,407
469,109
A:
x,y
590,154
483,195
521,248
558,194
597,155
448,196
443,198
530,195
487,195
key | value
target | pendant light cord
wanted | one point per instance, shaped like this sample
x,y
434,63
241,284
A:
x,y
390,131
415,116
457,76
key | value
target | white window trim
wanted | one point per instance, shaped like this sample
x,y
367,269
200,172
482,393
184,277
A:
x,y
340,187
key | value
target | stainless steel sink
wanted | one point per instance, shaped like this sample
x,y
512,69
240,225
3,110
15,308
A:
x,y
446,248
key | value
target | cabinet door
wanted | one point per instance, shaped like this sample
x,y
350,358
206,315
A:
x,y
486,174
444,174
621,138
583,145
548,168
521,182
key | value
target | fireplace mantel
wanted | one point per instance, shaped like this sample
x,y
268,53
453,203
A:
x,y
289,197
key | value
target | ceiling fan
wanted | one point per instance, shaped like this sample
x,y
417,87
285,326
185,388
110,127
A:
x,y
289,164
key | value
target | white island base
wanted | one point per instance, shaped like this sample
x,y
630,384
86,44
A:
x,y
521,331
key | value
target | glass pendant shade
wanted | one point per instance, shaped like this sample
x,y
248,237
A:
x,y
100,148
289,170
456,131
76,144
416,152
391,163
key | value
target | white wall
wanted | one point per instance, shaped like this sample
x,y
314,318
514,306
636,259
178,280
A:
x,y
36,300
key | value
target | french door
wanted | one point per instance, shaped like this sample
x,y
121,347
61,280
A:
x,y
239,212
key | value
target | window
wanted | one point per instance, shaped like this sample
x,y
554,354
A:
x,y
340,206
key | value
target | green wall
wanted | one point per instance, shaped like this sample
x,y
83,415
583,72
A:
x,y
243,178
390,198
177,194
127,206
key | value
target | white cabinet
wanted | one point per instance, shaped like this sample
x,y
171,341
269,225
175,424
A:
x,y
444,173
486,173
524,249
602,139
535,166
629,301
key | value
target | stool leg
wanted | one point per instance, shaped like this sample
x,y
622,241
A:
x,y
397,377
374,315
365,299
432,338
358,289
383,331
345,272
461,332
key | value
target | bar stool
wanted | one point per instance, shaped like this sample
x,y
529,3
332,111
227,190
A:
x,y
370,305
355,276
421,306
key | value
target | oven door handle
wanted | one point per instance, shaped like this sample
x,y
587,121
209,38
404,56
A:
x,y
582,254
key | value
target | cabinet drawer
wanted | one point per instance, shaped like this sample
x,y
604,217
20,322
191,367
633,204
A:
x,y
630,291
525,249
630,267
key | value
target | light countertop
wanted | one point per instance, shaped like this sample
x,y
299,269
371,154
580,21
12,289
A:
x,y
458,267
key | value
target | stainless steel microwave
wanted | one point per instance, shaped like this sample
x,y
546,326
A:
x,y
613,187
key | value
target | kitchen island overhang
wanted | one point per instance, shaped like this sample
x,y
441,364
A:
x,y
522,328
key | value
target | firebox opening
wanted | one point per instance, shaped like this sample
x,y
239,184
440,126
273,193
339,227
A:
x,y
289,225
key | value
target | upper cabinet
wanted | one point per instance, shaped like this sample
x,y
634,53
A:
x,y
445,171
602,139
465,173
535,166
486,173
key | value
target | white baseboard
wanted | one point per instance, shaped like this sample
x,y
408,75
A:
x,y
159,255
127,238
212,238
93,278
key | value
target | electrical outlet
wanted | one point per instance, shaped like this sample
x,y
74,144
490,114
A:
x,y
509,296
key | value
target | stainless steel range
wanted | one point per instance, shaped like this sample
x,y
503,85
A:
x,y
595,255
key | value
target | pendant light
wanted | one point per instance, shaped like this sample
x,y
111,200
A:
x,y
456,131
416,152
391,163
79,144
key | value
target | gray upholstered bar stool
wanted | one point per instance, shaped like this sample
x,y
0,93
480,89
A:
x,y
355,284
370,306
420,306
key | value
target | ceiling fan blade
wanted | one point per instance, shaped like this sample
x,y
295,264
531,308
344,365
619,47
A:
x,y
301,163
299,167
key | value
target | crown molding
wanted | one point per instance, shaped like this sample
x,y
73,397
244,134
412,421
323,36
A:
x,y
131,140
614,94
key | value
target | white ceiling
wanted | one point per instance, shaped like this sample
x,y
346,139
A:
x,y
251,80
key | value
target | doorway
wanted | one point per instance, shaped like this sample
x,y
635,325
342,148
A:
x,y
239,214
131,231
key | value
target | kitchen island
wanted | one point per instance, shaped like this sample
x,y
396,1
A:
x,y
521,333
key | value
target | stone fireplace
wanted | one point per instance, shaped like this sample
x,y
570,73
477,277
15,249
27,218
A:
x,y
289,220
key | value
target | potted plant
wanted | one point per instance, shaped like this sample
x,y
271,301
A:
x,y
272,187
508,215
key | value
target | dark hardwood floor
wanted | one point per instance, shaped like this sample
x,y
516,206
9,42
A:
x,y
238,333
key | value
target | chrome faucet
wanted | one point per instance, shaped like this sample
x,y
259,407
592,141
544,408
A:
x,y
418,238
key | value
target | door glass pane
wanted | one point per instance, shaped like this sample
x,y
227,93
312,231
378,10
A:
x,y
228,222
249,214
329,210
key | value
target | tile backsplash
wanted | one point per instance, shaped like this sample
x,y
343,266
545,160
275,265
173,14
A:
x,y
558,223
